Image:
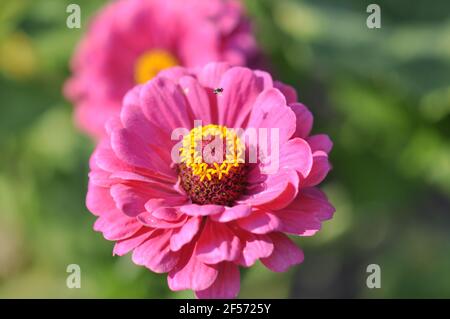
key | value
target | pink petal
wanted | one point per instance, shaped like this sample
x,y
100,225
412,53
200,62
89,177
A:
x,y
150,220
316,193
296,154
98,200
166,201
285,254
167,213
240,89
320,169
320,142
124,246
185,234
254,247
210,40
131,149
298,223
304,120
130,200
197,99
191,273
113,124
100,178
270,111
163,99
217,243
211,74
259,222
105,158
276,192
201,210
265,77
92,119
288,91
174,73
226,285
116,226
306,213
132,97
313,199
155,253
232,213
137,177
134,120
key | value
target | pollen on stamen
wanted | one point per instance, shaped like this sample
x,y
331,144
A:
x,y
221,181
150,63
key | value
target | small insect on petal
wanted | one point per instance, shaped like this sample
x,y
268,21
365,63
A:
x,y
218,91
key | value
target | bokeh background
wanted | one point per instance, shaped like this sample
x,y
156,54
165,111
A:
x,y
383,95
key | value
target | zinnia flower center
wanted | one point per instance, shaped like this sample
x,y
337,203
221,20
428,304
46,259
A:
x,y
212,168
151,63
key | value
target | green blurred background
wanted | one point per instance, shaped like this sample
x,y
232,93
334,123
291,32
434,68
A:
x,y
383,95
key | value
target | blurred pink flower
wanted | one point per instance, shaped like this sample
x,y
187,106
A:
x,y
130,41
200,230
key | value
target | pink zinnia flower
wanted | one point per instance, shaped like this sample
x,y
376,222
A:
x,y
130,41
197,228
